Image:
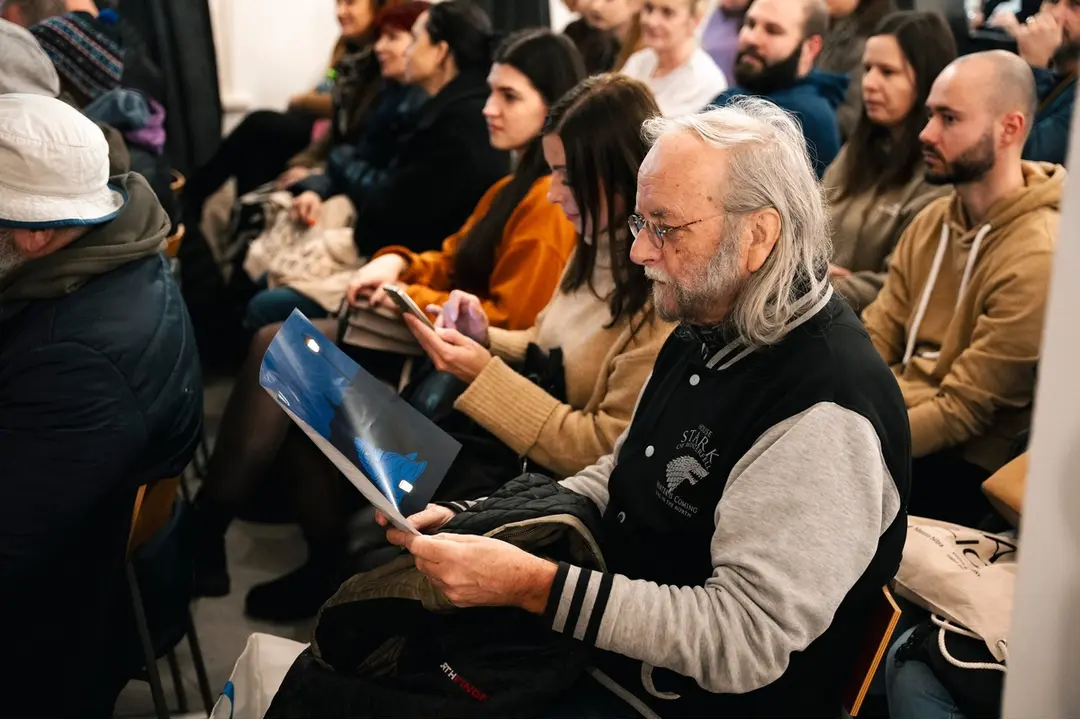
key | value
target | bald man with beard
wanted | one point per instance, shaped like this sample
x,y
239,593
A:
x,y
960,317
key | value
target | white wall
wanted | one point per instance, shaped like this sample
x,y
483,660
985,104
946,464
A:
x,y
1044,647
270,50
560,16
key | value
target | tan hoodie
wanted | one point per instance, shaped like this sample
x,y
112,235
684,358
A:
x,y
960,317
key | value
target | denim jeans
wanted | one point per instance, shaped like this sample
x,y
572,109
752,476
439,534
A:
x,y
913,689
276,304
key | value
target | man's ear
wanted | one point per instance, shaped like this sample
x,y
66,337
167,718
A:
x,y
1013,129
32,243
763,228
811,48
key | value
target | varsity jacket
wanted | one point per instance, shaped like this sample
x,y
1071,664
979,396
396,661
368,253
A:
x,y
751,513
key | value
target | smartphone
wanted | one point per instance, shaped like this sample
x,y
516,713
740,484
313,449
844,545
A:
x,y
407,305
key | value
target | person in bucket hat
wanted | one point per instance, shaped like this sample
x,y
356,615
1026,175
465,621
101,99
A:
x,y
55,165
100,392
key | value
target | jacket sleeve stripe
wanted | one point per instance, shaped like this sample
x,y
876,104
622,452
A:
x,y
603,592
591,581
555,612
577,591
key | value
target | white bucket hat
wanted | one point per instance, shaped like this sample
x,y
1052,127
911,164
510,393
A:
x,y
54,166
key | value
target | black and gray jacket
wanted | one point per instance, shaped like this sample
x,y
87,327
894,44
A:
x,y
752,511
389,644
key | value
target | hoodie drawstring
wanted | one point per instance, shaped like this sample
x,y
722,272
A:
x,y
935,269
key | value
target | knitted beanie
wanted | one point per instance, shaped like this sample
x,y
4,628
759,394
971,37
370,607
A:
x,y
86,52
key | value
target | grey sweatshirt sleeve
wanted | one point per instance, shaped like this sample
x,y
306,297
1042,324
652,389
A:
x,y
796,527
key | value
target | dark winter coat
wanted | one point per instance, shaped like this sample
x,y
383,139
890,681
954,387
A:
x,y
100,392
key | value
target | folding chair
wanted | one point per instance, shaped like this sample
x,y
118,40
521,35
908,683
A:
x,y
152,510
886,614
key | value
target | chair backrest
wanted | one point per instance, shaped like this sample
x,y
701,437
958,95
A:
x,y
883,619
153,508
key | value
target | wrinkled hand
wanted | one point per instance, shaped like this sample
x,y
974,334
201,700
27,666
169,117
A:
x,y
368,281
305,208
450,351
1037,39
427,521
835,271
475,571
464,313
290,177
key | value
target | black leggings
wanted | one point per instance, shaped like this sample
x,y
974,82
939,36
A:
x,y
254,153
256,437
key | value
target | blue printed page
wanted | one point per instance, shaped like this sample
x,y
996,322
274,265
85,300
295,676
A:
x,y
393,454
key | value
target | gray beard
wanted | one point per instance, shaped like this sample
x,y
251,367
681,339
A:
x,y
10,257
714,283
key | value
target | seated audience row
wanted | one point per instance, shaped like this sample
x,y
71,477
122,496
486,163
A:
x,y
511,253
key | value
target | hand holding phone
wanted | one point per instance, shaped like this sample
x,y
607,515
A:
x,y
407,305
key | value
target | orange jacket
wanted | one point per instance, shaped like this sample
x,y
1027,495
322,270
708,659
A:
x,y
536,243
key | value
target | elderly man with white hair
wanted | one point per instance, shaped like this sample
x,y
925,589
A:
x,y
755,506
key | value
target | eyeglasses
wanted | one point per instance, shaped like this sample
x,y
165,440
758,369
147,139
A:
x,y
638,223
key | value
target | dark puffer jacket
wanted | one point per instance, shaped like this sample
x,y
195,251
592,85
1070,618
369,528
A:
x,y
389,644
100,392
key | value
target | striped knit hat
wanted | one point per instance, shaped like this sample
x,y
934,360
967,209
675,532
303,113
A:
x,y
86,52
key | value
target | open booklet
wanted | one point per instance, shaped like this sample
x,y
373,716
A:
x,y
394,455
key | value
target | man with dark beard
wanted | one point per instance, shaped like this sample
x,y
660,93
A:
x,y
960,317
778,45
1050,43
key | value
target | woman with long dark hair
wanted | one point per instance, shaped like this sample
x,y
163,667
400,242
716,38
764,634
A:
x,y
875,186
600,321
851,22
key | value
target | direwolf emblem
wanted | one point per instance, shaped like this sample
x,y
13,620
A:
x,y
394,473
684,468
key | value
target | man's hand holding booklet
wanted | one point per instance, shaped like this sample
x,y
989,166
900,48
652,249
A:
x,y
393,454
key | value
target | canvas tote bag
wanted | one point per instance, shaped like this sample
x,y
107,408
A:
x,y
963,576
